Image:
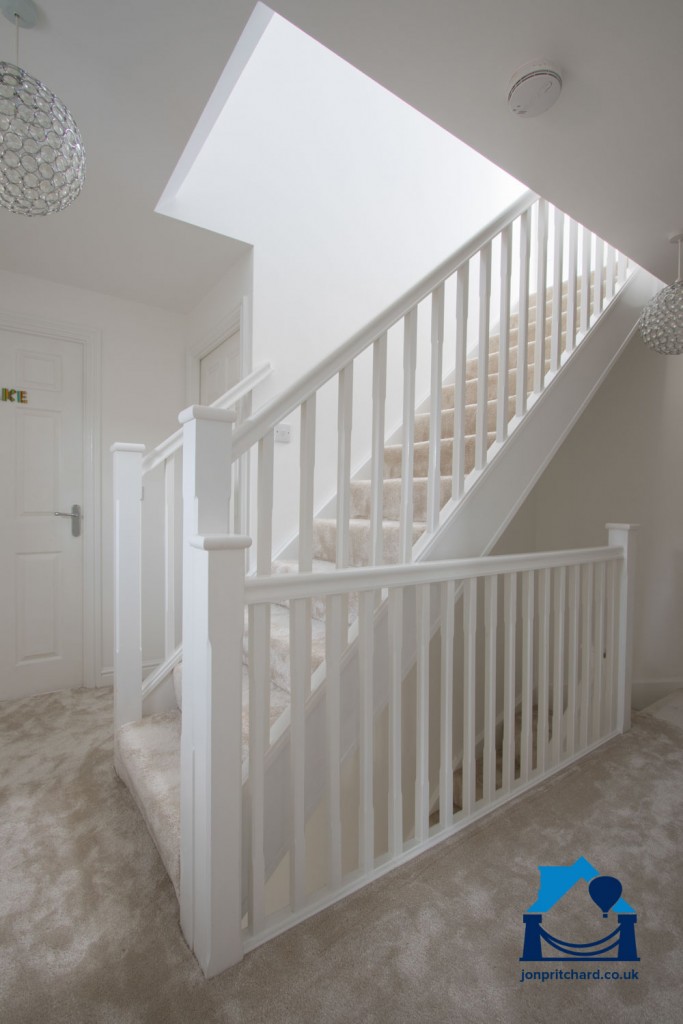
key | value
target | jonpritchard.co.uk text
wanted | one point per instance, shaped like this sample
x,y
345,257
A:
x,y
557,974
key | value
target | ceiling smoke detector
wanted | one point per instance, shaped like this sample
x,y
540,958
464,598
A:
x,y
533,89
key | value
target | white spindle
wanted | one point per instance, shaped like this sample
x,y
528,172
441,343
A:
x,y
259,727
212,660
585,280
422,717
408,449
586,652
541,282
127,482
366,709
559,612
543,668
611,646
523,316
379,388
469,696
504,338
170,640
447,595
306,483
571,285
622,268
300,676
264,525
333,650
624,536
345,413
509,662
556,325
526,739
395,715
609,272
600,653
481,440
460,380
599,273
490,652
573,656
434,471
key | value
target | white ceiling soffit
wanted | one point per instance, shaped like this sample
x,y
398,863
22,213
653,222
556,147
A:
x,y
610,152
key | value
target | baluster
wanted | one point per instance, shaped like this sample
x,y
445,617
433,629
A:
x,y
334,627
490,651
395,714
510,613
526,762
560,604
585,280
586,651
259,686
366,708
345,415
300,682
523,316
599,273
264,526
434,471
460,380
611,646
169,556
609,273
543,669
306,509
599,663
571,285
541,281
573,656
556,327
379,389
481,440
422,730
621,269
504,339
446,709
624,536
469,696
408,450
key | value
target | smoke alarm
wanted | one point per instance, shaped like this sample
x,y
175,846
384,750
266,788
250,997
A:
x,y
533,89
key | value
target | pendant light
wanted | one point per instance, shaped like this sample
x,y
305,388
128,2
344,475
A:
x,y
42,159
661,322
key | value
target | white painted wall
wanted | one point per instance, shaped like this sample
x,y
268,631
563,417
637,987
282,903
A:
x,y
143,388
348,196
622,463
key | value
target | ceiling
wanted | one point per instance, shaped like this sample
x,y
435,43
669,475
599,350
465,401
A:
x,y
137,76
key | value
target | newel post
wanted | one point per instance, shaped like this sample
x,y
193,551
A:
x,y
624,536
210,751
127,488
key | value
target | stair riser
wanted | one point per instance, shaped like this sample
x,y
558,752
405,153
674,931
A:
x,y
447,420
392,457
325,541
391,498
448,392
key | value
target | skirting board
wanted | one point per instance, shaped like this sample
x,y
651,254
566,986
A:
x,y
647,691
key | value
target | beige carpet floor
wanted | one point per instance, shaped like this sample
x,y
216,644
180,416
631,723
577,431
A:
x,y
88,918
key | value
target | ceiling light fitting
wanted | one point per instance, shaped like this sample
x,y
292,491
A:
x,y
42,159
661,322
533,89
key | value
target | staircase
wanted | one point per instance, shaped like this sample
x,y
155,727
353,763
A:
x,y
332,645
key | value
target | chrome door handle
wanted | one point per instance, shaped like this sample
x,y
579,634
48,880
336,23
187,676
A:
x,y
75,516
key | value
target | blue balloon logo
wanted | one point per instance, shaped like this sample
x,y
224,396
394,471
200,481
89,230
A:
x,y
605,891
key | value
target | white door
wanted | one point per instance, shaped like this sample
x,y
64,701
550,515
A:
x,y
219,369
41,559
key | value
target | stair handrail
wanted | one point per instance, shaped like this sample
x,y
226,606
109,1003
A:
x,y
174,441
250,432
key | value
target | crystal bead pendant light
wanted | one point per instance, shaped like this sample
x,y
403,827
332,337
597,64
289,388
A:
x,y
42,159
661,322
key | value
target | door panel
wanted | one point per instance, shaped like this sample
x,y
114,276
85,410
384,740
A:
x,y
219,369
41,563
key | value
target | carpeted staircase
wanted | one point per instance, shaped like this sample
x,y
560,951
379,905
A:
x,y
148,752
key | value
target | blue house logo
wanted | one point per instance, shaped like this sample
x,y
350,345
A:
x,y
605,891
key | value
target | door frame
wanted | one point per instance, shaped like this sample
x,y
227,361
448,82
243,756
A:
x,y
236,320
91,342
